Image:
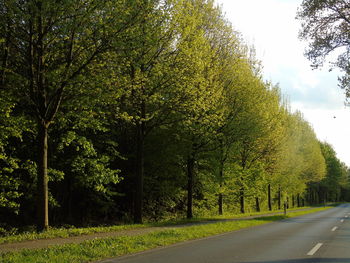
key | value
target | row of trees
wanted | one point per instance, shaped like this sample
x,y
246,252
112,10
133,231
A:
x,y
116,110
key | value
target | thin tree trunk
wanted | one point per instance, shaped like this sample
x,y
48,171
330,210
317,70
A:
x,y
190,183
310,197
220,202
70,201
319,196
138,201
298,200
315,199
279,198
293,201
257,204
221,198
241,200
42,183
269,197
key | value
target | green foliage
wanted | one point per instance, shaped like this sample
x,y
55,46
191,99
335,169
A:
x,y
336,178
154,103
11,128
325,25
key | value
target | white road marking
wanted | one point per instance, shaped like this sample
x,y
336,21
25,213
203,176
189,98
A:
x,y
334,228
315,248
342,220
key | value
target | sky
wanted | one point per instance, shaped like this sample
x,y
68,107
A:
x,y
270,26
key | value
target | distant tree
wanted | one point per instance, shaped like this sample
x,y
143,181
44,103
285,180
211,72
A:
x,y
336,176
290,164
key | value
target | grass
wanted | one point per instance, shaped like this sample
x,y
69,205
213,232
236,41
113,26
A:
x,y
112,247
65,232
69,232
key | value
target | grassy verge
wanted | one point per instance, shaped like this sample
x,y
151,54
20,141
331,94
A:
x,y
65,232
68,232
111,247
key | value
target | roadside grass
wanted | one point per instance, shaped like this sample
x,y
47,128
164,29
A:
x,y
66,232
98,249
71,231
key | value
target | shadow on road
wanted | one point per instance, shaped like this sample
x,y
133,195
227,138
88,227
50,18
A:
x,y
306,260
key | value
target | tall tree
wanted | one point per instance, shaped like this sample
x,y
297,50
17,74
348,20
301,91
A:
x,y
49,47
202,115
154,74
262,132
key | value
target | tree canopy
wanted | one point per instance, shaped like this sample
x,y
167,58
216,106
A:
x,y
325,25
133,110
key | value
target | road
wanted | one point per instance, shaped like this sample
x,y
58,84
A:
x,y
317,237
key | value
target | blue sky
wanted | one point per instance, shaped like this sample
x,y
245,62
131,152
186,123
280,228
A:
x,y
270,26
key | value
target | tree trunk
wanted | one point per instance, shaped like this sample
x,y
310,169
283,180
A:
x,y
70,217
316,197
257,204
138,201
220,202
42,183
293,201
319,196
241,200
269,197
298,200
221,198
279,198
309,197
190,183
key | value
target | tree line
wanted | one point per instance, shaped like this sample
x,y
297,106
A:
x,y
146,109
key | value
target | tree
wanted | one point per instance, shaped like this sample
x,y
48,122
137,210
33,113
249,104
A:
x,y
336,176
312,166
326,24
261,133
157,73
48,48
290,163
236,75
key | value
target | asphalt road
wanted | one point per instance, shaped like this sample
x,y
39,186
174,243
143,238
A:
x,y
318,237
